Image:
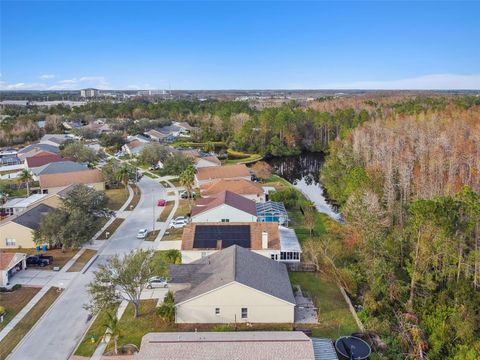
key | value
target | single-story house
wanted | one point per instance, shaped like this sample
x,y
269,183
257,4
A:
x,y
207,175
59,167
17,205
37,161
37,149
57,139
272,211
245,345
134,147
225,206
268,239
155,135
17,231
53,183
11,263
231,286
99,126
207,161
249,189
187,129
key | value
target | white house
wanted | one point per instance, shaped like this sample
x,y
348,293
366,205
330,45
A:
x,y
234,285
225,206
265,238
11,263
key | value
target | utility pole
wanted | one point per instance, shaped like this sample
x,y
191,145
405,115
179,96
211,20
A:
x,y
153,208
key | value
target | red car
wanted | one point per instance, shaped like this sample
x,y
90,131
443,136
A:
x,y
161,202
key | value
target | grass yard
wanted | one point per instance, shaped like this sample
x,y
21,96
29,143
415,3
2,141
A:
x,y
334,316
167,209
116,198
97,330
175,182
23,327
151,176
136,197
173,234
152,235
82,260
238,157
183,208
14,301
110,229
59,258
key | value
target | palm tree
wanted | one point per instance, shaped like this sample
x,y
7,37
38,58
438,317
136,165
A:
x,y
123,175
187,179
26,177
112,329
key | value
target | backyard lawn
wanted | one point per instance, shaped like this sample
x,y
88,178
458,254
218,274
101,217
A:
x,y
14,301
82,260
9,342
116,198
59,258
110,229
334,316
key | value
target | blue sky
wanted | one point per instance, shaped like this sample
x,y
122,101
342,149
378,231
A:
x,y
239,45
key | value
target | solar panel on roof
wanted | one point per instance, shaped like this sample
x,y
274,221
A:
x,y
206,236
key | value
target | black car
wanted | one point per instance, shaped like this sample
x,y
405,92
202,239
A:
x,y
37,261
48,257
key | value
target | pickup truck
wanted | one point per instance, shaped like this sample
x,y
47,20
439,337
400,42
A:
x,y
37,261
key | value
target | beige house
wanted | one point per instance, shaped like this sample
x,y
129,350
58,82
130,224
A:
x,y
207,175
248,189
17,231
225,206
245,345
234,285
53,183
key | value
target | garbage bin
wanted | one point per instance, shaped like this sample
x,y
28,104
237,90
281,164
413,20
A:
x,y
44,247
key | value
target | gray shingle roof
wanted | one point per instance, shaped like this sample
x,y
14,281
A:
x,y
33,217
44,147
61,167
232,264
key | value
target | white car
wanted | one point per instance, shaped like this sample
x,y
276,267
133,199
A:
x,y
157,282
142,233
179,222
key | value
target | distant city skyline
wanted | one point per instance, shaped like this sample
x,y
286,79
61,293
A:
x,y
239,45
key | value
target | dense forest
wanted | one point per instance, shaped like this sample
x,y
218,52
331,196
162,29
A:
x,y
409,188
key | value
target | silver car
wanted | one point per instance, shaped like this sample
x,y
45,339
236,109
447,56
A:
x,y
157,282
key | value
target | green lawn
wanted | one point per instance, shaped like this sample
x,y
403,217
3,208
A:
x,y
173,234
151,176
14,301
97,330
116,198
9,342
334,316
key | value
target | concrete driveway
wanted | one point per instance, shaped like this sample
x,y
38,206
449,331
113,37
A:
x,y
57,333
36,277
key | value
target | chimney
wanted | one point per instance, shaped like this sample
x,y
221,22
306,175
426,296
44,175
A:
x,y
219,244
264,240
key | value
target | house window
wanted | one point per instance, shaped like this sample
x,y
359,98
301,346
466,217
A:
x,y
10,242
244,313
225,220
217,311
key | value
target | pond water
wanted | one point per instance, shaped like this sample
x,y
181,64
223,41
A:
x,y
303,171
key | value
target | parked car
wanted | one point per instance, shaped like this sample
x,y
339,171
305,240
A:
x,y
184,194
37,261
48,257
161,202
179,222
157,282
142,233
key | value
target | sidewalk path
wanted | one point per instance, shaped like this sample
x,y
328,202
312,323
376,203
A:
x,y
56,335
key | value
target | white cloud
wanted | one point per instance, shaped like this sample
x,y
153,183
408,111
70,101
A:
x,y
425,82
46,76
21,86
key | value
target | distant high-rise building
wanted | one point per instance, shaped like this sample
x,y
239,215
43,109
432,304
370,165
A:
x,y
89,93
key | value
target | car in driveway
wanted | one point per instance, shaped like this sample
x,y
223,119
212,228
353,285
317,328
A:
x,y
157,282
178,223
142,233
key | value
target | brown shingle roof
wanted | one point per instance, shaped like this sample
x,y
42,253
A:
x,y
40,160
5,260
221,172
77,177
256,230
239,186
225,197
134,144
